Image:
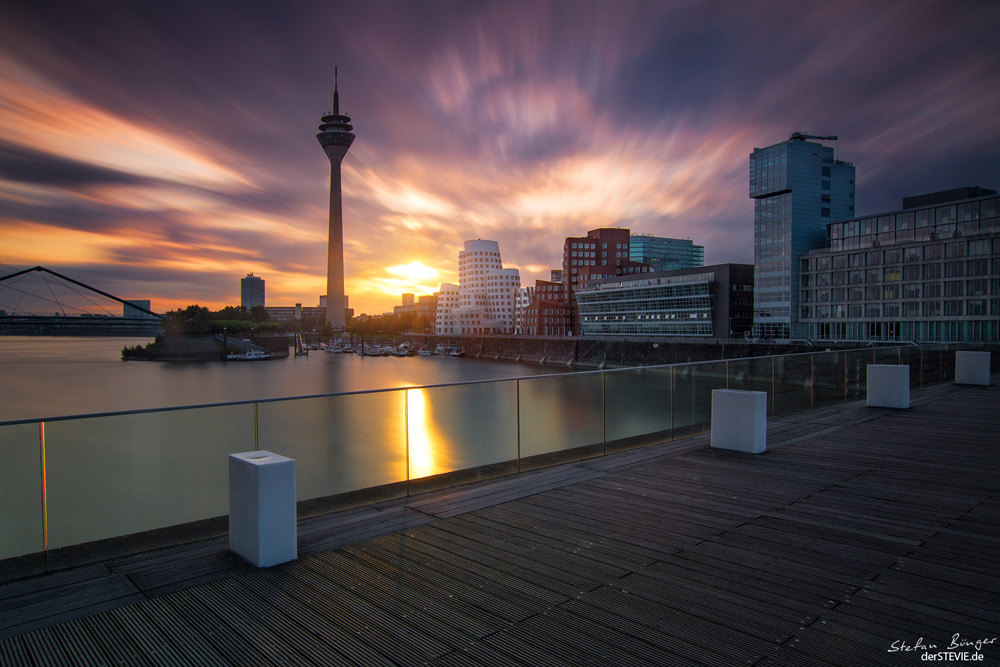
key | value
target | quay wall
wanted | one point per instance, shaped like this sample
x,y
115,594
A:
x,y
598,354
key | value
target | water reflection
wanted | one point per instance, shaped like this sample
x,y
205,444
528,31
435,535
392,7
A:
x,y
423,443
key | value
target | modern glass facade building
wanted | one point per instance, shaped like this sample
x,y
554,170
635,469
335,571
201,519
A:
x,y
712,301
798,187
923,273
665,254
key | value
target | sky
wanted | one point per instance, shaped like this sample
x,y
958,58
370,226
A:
x,y
163,151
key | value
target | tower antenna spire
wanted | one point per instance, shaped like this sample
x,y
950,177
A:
x,y
336,95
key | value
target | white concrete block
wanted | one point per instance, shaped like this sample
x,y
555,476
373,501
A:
x,y
739,420
888,386
972,368
262,525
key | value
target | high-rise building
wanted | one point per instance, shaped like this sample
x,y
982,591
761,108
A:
x,y
335,136
798,188
665,254
487,291
251,291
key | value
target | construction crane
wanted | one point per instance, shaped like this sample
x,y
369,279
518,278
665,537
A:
x,y
801,136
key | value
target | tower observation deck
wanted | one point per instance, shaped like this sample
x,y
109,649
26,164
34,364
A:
x,y
335,136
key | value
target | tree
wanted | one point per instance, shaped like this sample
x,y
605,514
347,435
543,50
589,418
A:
x,y
232,313
259,314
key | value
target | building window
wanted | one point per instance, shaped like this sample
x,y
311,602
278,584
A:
x,y
954,269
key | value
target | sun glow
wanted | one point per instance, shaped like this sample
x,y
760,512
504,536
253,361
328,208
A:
x,y
413,272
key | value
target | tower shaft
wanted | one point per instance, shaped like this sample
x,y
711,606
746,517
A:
x,y
335,307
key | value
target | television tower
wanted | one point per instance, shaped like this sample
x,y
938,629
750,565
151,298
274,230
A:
x,y
335,136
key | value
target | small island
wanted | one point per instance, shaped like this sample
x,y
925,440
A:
x,y
197,334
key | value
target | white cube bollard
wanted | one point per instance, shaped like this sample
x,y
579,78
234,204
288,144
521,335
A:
x,y
888,386
262,508
739,420
972,368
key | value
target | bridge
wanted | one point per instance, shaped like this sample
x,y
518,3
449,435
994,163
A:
x,y
70,308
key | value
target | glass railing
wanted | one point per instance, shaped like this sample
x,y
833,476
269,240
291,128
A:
x,y
73,480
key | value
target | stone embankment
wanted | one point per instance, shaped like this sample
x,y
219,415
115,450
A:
x,y
590,353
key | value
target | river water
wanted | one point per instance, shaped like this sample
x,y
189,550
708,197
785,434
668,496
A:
x,y
44,377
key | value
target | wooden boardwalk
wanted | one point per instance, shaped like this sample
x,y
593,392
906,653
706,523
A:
x,y
858,529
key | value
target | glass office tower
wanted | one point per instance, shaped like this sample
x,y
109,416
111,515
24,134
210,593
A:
x,y
798,188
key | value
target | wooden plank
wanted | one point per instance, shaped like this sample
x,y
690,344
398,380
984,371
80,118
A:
x,y
43,608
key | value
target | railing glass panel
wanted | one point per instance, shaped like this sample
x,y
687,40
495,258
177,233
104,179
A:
x,y
857,373
638,407
21,518
751,375
121,474
887,355
793,384
339,443
910,356
461,428
559,413
693,385
829,373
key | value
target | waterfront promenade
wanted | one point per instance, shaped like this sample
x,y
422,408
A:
x,y
860,530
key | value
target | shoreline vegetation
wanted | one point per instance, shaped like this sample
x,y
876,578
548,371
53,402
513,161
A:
x,y
183,348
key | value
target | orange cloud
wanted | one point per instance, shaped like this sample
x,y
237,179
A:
x,y
36,114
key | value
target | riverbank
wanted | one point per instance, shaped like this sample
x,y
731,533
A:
x,y
584,353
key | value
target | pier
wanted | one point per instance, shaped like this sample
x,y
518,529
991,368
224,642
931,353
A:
x,y
860,533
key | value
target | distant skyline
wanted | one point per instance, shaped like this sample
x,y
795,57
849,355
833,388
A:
x,y
163,151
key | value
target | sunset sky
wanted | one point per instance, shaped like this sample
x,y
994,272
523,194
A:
x,y
165,150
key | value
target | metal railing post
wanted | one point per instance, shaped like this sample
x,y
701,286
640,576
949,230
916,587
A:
x,y
672,390
773,396
256,430
604,412
44,491
812,377
406,431
517,401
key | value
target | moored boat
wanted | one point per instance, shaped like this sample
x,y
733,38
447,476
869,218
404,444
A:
x,y
248,355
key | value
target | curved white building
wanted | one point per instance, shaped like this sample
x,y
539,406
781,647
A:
x,y
446,321
487,292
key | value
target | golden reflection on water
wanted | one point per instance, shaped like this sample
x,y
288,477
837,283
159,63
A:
x,y
424,445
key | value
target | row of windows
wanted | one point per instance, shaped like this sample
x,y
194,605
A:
x,y
958,249
906,331
948,231
928,217
647,305
956,269
957,308
699,328
952,288
653,292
